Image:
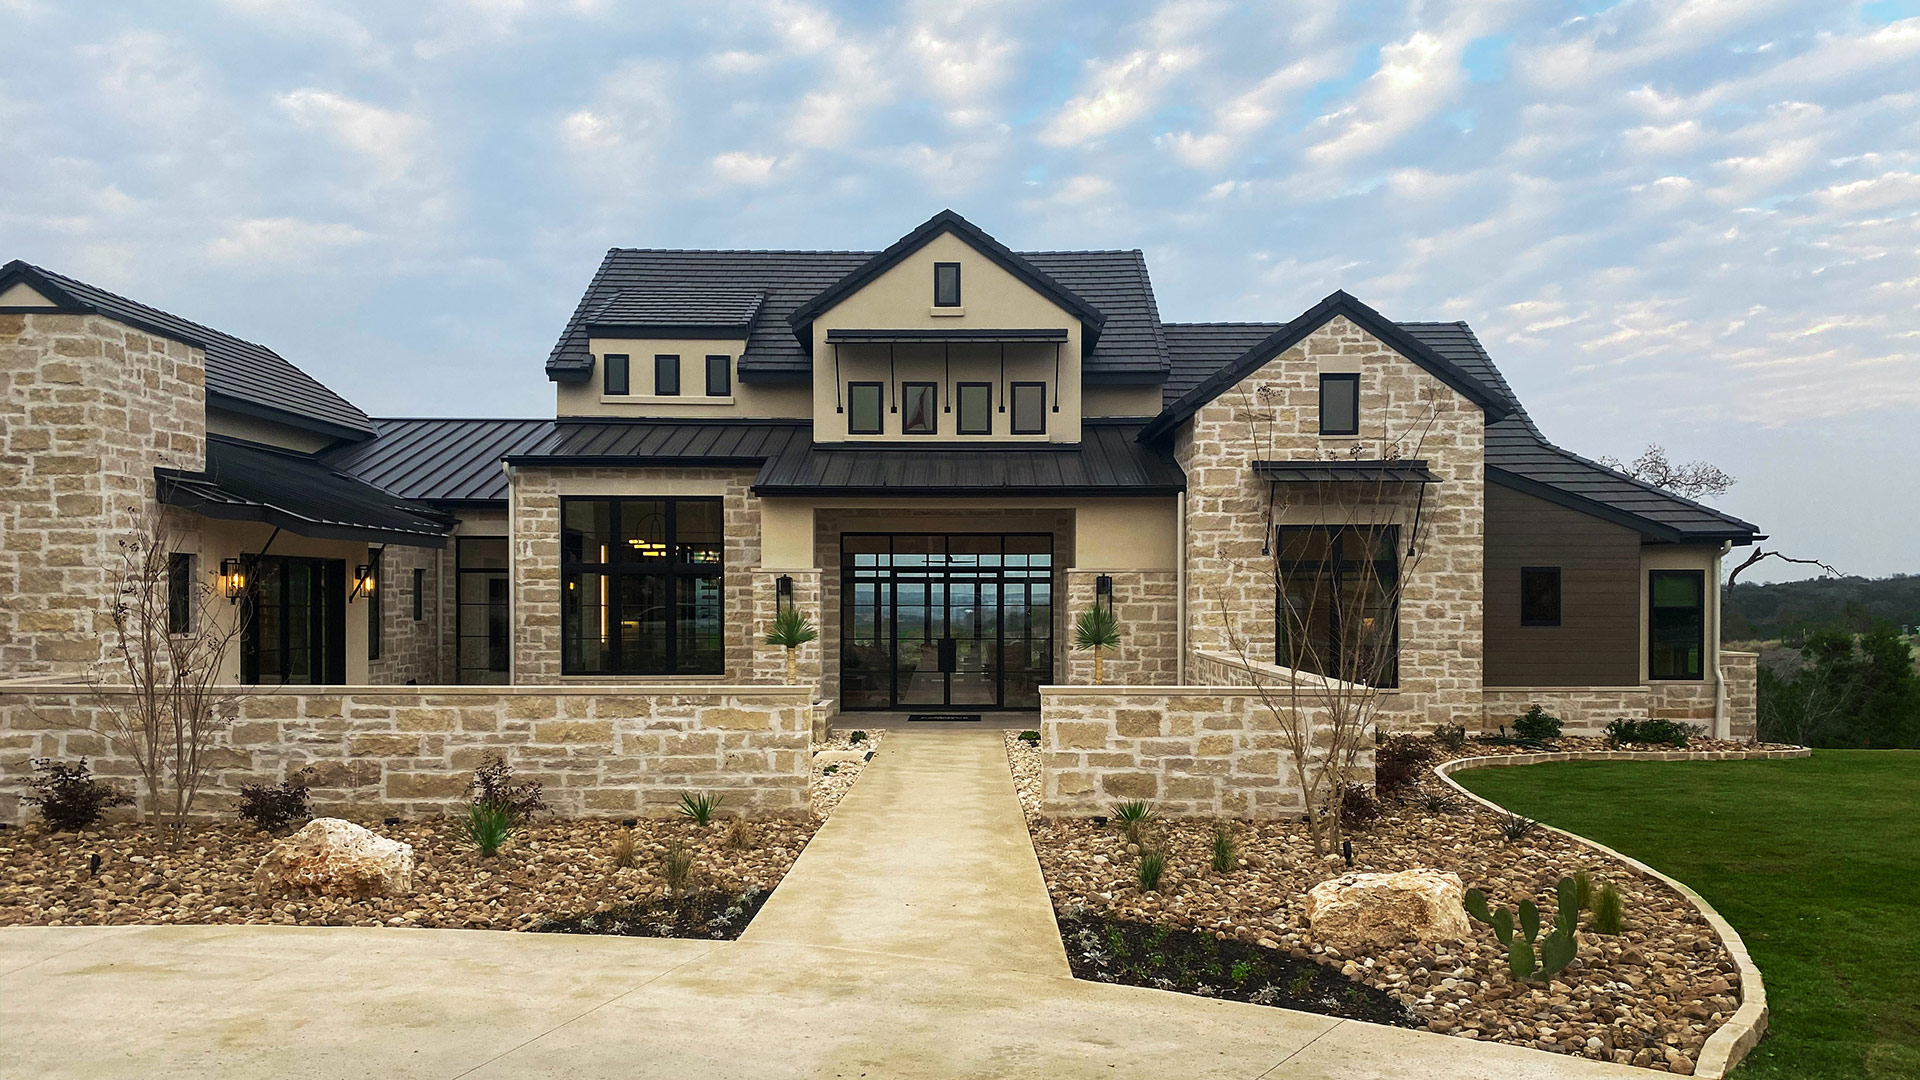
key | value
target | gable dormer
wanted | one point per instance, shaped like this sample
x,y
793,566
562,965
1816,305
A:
x,y
947,337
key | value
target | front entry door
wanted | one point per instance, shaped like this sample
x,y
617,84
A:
x,y
296,630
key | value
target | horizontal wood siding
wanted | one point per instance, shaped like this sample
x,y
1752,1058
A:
x,y
1598,640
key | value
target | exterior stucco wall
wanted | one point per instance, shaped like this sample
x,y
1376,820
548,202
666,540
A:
x,y
1274,414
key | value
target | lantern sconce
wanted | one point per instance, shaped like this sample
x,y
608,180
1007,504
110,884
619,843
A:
x,y
1103,591
233,579
363,581
783,593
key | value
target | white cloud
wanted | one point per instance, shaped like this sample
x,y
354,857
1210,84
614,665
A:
x,y
391,140
281,240
1247,114
1892,189
1118,92
739,167
1416,78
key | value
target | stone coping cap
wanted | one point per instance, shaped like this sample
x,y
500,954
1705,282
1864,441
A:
x,y
804,693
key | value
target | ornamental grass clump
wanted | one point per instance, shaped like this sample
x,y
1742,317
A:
x,y
739,835
699,808
487,828
676,869
1517,827
625,850
1609,915
1153,864
1226,850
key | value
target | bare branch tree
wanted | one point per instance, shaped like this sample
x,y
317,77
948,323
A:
x,y
1694,480
1760,554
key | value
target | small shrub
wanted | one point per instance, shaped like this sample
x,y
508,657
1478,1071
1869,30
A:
x,y
1667,733
830,770
1537,723
1450,737
625,850
493,787
676,868
1439,802
1516,827
1133,815
1153,864
1609,911
1397,761
69,797
487,827
739,835
857,738
1226,852
273,808
1358,808
699,808
1030,737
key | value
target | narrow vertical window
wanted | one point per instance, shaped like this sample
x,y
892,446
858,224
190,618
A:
x,y
976,408
1339,404
179,593
613,370
863,408
719,376
1677,624
419,594
1029,408
919,408
666,376
1539,596
946,284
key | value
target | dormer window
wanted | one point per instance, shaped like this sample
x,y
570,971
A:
x,y
1340,404
613,371
946,284
666,375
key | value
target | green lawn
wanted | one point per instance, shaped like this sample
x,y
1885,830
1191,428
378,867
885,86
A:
x,y
1816,862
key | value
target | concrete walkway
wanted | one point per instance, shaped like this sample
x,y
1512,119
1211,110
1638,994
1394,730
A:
x,y
934,956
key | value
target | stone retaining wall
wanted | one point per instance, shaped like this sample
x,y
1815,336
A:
x,y
612,751
1193,751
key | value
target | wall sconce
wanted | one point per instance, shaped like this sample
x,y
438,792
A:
x,y
783,593
1103,592
363,581
233,579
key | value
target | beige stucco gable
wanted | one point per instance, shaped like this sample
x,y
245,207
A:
x,y
22,295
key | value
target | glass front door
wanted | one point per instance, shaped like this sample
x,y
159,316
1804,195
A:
x,y
945,620
296,628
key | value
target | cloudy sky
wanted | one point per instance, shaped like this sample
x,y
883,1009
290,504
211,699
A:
x,y
1694,223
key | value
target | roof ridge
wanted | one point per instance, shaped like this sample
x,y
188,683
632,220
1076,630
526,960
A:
x,y
1637,482
125,299
738,251
1226,322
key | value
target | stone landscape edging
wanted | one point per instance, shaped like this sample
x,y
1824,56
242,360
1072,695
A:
x,y
1732,1040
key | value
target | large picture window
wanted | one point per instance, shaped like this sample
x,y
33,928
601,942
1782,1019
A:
x,y
1677,624
1335,614
641,586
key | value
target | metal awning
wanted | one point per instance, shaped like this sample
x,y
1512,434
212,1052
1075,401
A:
x,y
1348,471
1107,462
853,337
250,482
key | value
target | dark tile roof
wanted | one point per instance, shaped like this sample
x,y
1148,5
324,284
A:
x,y
1108,461
680,307
442,461
1197,350
246,481
241,375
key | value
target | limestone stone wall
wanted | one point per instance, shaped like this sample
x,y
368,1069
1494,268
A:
x,y
413,650
1583,710
1742,671
1192,751
1404,411
770,661
89,408
598,750
1147,605
534,543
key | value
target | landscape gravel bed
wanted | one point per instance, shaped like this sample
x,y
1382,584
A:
x,y
846,759
1648,997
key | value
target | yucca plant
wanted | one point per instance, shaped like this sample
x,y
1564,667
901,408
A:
x,y
790,631
1096,631
1226,853
487,827
1133,815
700,808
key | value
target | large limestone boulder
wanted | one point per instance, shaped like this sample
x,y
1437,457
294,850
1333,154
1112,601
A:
x,y
1383,909
331,857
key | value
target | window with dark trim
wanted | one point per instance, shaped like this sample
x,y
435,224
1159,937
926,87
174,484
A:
x,y
666,375
179,593
419,594
1029,408
1676,624
613,372
642,587
1338,592
920,408
976,408
719,376
375,592
482,623
946,284
1539,596
864,414
1339,404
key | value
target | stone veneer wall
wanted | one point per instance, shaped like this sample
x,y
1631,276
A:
x,y
770,661
1146,602
1583,710
1193,751
412,649
599,750
1742,672
88,409
534,544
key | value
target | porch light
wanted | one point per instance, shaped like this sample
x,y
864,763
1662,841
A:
x,y
363,581
1103,591
233,579
783,593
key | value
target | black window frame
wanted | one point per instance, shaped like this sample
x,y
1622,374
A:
x,y
419,594
1653,630
933,408
960,408
671,568
879,408
499,633
180,592
724,370
607,369
663,364
1013,404
1337,566
1351,379
1535,618
956,300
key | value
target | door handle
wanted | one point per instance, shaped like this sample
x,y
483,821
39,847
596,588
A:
x,y
949,655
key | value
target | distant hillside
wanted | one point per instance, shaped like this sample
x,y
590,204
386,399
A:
x,y
1782,609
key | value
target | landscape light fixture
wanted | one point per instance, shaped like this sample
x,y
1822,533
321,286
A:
x,y
1103,592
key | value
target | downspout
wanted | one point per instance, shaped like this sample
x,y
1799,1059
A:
x,y
1180,590
1722,727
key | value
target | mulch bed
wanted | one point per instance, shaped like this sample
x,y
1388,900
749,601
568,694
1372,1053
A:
x,y
717,915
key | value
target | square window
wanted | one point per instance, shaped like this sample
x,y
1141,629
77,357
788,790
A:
x,y
1029,408
613,372
1339,404
946,284
719,376
863,408
666,376
976,408
1539,596
919,408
